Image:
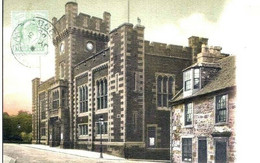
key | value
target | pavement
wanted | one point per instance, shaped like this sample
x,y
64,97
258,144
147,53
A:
x,y
16,153
8,159
75,152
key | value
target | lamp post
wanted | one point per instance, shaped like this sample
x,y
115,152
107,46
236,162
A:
x,y
101,121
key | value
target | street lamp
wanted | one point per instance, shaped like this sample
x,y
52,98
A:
x,y
101,121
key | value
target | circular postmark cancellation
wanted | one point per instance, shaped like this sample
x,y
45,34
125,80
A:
x,y
30,40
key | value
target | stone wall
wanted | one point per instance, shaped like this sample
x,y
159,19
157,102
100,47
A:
x,y
203,126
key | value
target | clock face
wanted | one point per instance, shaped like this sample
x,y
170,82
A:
x,y
61,48
90,46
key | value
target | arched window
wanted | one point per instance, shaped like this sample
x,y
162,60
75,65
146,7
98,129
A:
x,y
83,99
159,91
164,90
62,70
170,88
165,94
102,94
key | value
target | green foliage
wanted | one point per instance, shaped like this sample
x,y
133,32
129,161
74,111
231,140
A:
x,y
27,137
18,127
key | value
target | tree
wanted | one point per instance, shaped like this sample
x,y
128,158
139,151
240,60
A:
x,y
17,127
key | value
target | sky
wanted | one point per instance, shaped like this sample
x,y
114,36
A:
x,y
232,24
167,21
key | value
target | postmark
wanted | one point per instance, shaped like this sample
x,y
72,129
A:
x,y
31,39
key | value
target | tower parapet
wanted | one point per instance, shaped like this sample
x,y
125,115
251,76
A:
x,y
155,48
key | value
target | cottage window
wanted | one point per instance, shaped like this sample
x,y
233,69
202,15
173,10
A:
x,y
187,149
196,82
83,99
188,114
83,129
102,94
221,108
187,80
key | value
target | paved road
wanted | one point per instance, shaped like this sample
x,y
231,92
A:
x,y
25,154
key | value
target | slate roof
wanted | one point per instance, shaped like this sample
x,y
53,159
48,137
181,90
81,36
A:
x,y
225,78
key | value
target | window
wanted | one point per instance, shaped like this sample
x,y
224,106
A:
x,y
63,97
187,80
134,120
102,94
221,108
83,99
196,84
62,71
43,131
137,81
151,137
83,129
43,109
221,151
188,114
164,90
116,82
104,128
186,149
55,99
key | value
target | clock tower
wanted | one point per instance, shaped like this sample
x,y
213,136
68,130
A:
x,y
79,37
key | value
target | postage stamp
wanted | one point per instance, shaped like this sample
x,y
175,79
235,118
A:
x,y
31,36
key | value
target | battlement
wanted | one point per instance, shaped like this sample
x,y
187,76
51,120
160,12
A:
x,y
81,20
162,49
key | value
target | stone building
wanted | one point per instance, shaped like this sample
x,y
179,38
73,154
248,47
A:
x,y
115,75
202,115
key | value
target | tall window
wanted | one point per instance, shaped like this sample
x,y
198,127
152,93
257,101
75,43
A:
x,y
55,99
188,114
83,99
83,129
43,131
164,90
102,94
116,82
134,120
104,128
63,97
196,78
187,80
186,149
221,108
43,109
62,71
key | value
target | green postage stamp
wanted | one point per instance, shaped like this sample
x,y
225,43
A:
x,y
31,35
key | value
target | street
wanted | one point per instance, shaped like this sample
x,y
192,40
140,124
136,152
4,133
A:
x,y
44,154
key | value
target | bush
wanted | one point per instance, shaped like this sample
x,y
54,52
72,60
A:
x,y
27,137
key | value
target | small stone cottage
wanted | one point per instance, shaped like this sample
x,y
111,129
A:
x,y
202,115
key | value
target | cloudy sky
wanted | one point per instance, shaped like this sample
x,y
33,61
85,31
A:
x,y
232,24
167,21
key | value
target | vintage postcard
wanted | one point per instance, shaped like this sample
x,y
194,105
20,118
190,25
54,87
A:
x,y
125,80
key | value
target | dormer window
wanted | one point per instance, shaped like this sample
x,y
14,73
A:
x,y
196,82
187,80
191,81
